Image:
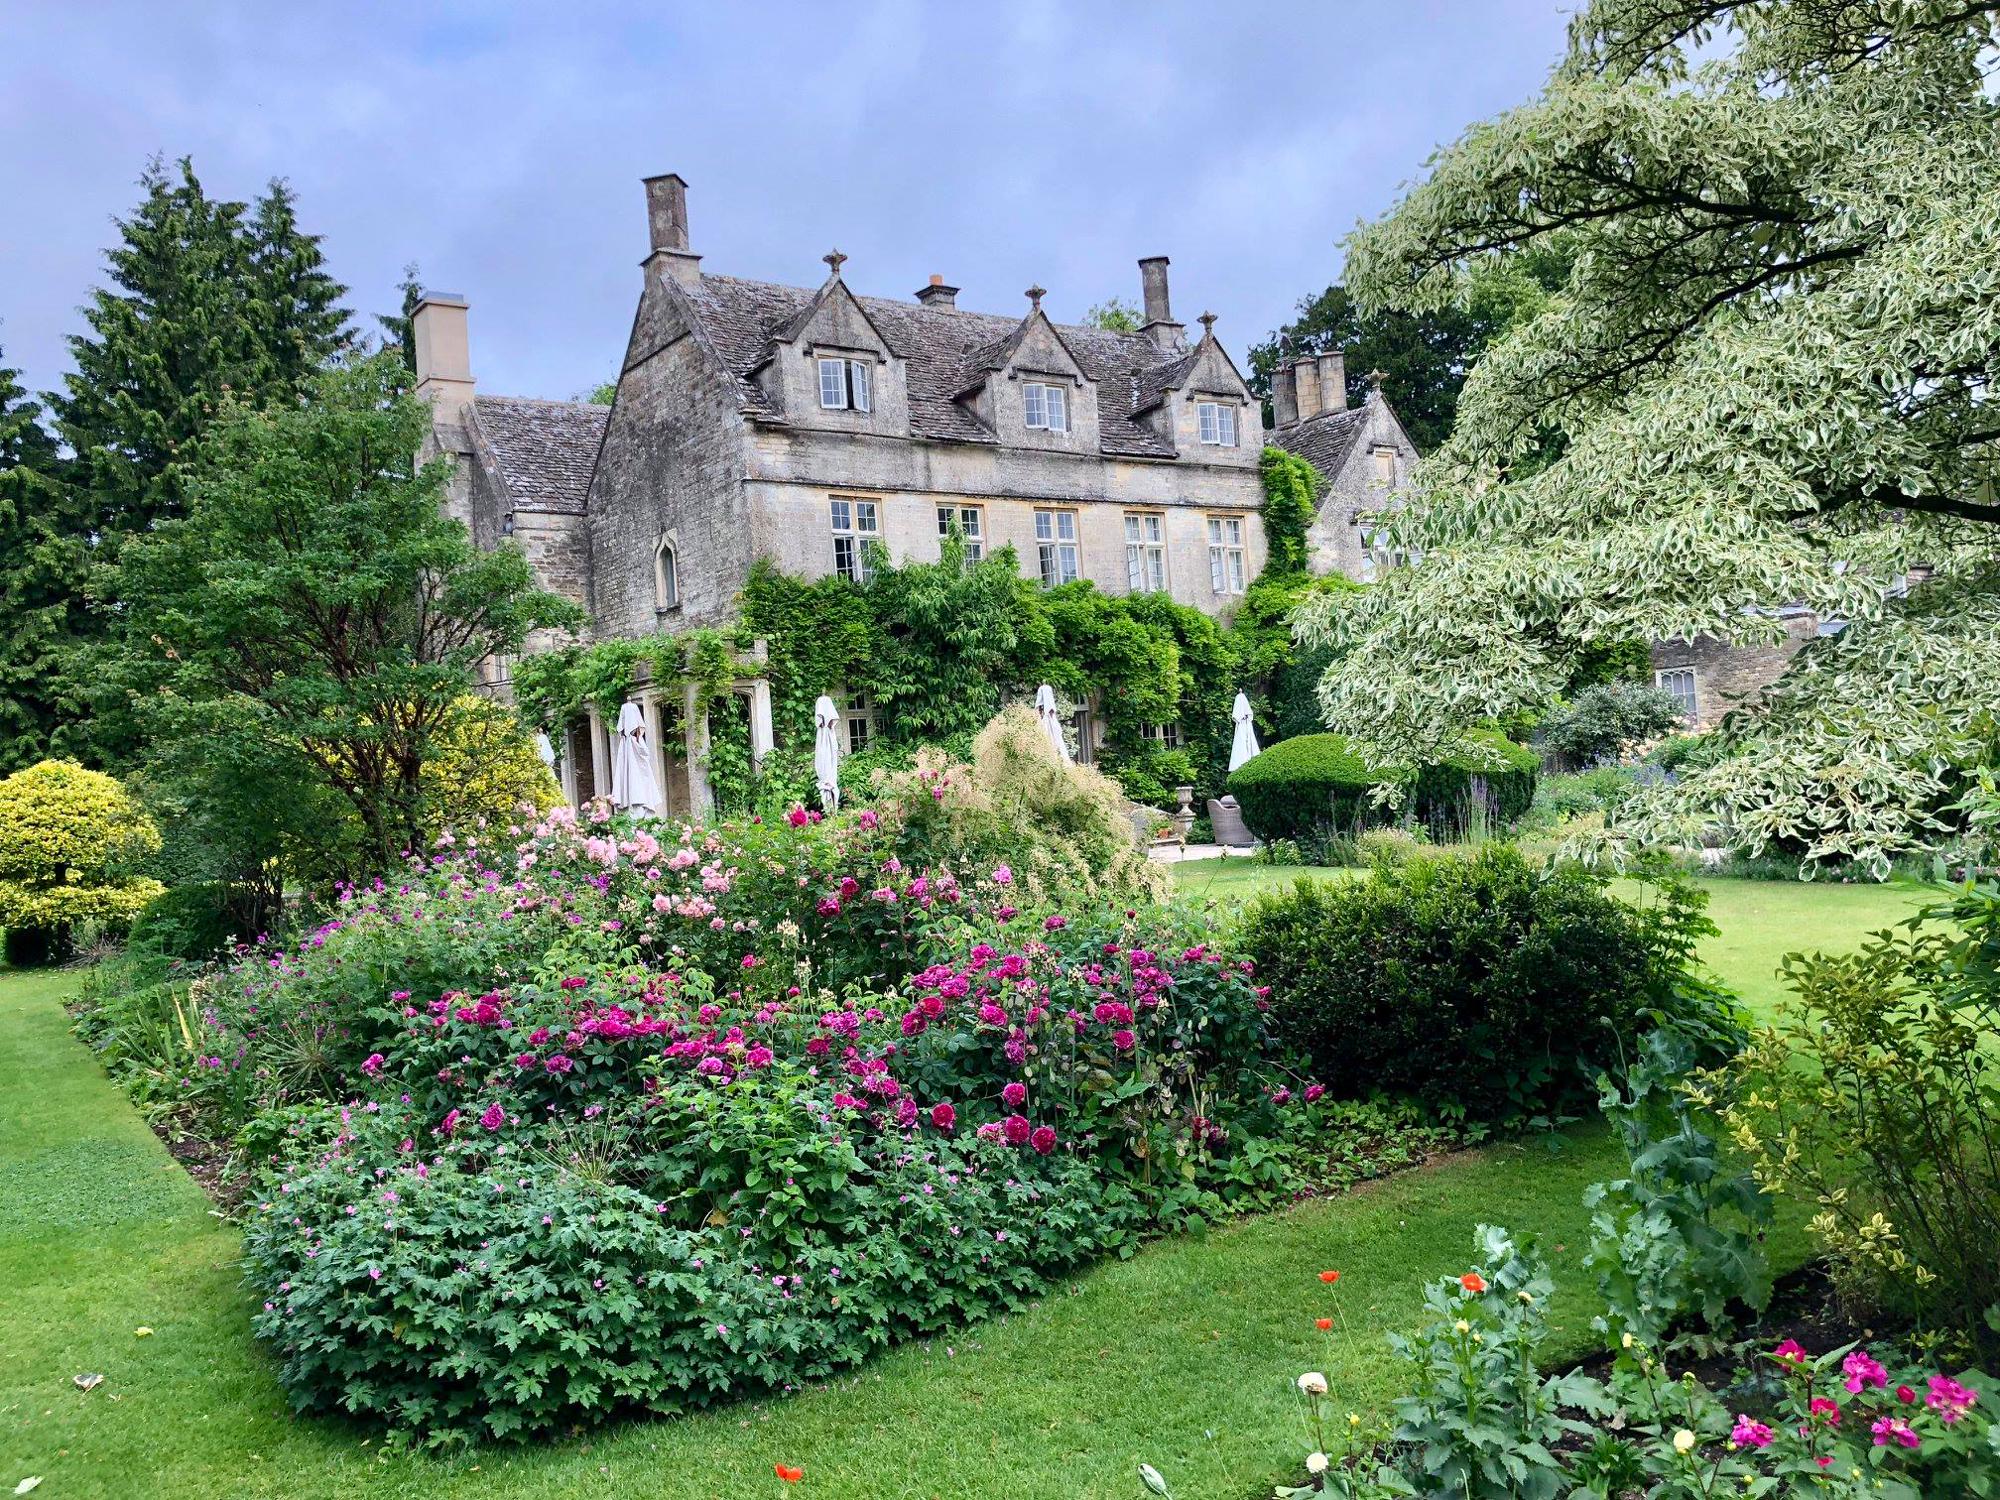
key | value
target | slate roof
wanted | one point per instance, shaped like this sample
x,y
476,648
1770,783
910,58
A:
x,y
545,450
1323,441
947,350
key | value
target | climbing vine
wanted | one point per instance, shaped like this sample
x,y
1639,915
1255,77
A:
x,y
1291,499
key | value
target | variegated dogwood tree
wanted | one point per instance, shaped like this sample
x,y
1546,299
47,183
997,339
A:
x,y
1767,380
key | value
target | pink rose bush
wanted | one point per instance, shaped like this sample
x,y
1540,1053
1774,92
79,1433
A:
x,y
631,1119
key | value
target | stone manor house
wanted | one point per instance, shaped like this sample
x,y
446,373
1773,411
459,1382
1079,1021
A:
x,y
799,424
753,420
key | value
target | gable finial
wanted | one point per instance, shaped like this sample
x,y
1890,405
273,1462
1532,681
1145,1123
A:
x,y
1377,376
834,259
1207,321
1035,295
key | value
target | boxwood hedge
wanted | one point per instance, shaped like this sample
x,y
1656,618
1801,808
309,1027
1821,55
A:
x,y
1313,782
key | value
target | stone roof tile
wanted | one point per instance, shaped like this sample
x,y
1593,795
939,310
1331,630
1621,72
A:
x,y
546,451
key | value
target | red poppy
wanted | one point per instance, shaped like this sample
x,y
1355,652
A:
x,y
788,1473
1323,1324
1473,1282
1329,1277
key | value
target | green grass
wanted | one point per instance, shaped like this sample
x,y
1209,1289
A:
x,y
1181,1357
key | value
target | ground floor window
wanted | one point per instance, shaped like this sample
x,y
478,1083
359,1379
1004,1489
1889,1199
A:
x,y
1679,681
862,725
1166,736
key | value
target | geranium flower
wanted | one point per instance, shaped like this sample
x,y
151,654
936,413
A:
x,y
1473,1282
1323,1324
790,1473
1790,1352
1329,1277
1894,1430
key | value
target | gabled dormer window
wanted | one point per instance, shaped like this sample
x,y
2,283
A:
x,y
1045,406
1215,423
843,385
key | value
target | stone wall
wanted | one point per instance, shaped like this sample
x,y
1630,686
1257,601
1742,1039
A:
x,y
1358,487
1727,676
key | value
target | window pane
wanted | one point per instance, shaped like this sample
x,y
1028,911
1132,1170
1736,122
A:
x,y
857,381
1131,528
1058,401
1153,525
1205,422
832,390
1226,426
944,520
1132,569
1046,556
1045,522
864,515
1215,567
1066,525
969,519
1032,409
1070,571
1214,532
843,518
1235,571
1157,572
843,556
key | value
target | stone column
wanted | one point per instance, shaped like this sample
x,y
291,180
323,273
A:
x,y
760,721
649,710
701,797
600,755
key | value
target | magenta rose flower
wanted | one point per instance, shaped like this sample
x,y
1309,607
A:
x,y
1016,1130
944,1116
1014,1095
1043,1140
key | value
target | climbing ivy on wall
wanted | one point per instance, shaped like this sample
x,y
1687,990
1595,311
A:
x,y
937,647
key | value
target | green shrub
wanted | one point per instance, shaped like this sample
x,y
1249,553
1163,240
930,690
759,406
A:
x,y
70,840
1482,986
1389,848
1565,795
195,921
1316,782
1605,717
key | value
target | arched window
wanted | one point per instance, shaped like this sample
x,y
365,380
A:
x,y
666,576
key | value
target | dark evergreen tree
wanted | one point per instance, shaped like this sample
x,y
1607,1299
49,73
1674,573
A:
x,y
41,572
302,323
395,326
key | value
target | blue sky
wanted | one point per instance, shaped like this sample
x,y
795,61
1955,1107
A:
x,y
501,147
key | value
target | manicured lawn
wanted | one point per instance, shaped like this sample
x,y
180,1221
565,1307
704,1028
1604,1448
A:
x,y
1181,1357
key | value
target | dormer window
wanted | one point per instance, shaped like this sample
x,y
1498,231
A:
x,y
1045,406
843,385
1215,423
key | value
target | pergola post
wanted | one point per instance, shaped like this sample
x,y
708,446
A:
x,y
701,797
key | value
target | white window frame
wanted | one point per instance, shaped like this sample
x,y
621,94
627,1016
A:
x,y
1145,552
1385,465
860,725
1045,407
1215,423
1228,571
847,382
1165,736
1669,679
1056,549
855,523
971,524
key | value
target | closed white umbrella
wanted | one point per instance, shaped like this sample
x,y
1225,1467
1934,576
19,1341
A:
x,y
1244,744
634,782
545,748
826,752
1051,717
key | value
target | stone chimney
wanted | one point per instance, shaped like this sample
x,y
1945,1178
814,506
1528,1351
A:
x,y
1159,325
442,353
937,294
667,227
1305,380
1333,381
1284,397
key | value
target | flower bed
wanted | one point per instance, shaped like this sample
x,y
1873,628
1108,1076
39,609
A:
x,y
611,1118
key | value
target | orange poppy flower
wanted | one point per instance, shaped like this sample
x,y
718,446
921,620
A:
x,y
1329,1277
1323,1324
788,1473
1472,1281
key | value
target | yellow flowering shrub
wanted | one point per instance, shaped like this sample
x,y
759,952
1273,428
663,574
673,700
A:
x,y
483,765
69,838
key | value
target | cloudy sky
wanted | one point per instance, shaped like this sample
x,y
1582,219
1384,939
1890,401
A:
x,y
500,147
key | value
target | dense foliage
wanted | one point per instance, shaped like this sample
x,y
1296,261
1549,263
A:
x,y
1483,986
1773,209
1606,719
41,581
72,842
1874,1101
1305,786
317,614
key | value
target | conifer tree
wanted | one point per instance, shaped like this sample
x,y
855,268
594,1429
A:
x,y
40,573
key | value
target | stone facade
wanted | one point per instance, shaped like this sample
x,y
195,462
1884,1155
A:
x,y
1713,676
1362,454
721,446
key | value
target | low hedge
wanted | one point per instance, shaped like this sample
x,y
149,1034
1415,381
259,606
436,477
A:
x,y
1303,786
1483,986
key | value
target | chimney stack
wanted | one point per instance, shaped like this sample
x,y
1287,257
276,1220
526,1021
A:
x,y
1159,325
1305,379
442,353
1284,397
667,226
937,294
1333,381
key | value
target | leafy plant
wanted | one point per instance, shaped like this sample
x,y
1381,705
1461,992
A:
x,y
71,842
